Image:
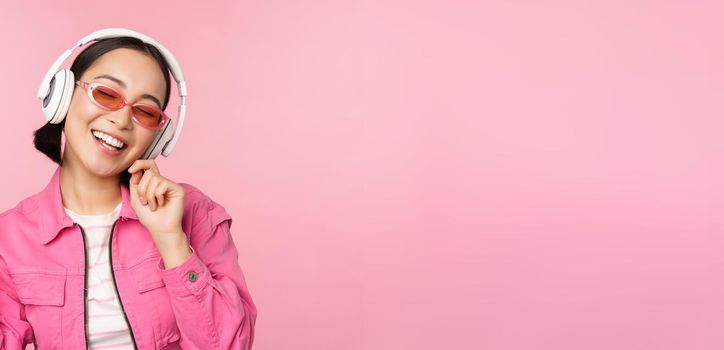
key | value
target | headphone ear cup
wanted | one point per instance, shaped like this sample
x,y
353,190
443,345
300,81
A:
x,y
56,103
160,141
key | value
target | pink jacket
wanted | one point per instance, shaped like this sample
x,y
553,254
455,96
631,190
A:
x,y
202,304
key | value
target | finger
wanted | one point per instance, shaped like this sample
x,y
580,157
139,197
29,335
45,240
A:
x,y
151,192
144,164
152,167
136,166
135,179
160,193
143,186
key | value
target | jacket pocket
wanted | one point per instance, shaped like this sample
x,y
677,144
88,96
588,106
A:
x,y
40,288
146,276
43,296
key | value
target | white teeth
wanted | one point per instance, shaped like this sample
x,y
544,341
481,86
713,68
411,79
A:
x,y
108,139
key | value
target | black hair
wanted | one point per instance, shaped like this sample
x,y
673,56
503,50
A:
x,y
47,139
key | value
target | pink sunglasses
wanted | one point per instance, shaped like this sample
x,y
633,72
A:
x,y
107,98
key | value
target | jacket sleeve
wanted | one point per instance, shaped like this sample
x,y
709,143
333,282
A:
x,y
15,331
209,296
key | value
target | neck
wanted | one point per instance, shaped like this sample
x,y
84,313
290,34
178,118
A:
x,y
87,193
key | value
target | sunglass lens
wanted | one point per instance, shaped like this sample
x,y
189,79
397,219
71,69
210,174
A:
x,y
107,97
148,116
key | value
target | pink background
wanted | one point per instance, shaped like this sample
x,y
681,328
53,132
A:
x,y
437,174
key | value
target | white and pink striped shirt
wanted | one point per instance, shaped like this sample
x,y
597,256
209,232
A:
x,y
107,328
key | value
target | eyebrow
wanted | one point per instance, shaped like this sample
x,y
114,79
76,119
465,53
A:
x,y
123,85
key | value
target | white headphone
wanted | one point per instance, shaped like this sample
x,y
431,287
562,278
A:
x,y
57,87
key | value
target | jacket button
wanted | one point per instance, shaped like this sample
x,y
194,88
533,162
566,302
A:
x,y
193,276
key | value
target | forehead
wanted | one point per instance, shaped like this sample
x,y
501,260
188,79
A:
x,y
138,70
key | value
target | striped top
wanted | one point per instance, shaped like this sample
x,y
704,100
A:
x,y
107,328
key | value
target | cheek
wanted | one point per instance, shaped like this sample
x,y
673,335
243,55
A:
x,y
143,139
79,112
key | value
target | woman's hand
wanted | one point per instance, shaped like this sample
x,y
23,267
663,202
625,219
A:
x,y
159,205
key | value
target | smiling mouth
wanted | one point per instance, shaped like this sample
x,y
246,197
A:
x,y
111,147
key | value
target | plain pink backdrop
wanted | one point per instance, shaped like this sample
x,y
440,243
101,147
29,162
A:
x,y
437,174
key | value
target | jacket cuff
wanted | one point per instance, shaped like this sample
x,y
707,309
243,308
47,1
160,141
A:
x,y
188,278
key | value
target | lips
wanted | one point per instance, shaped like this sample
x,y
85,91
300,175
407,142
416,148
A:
x,y
105,148
125,144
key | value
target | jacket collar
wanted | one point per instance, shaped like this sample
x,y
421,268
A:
x,y
52,215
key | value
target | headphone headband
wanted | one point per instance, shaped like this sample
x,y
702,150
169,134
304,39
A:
x,y
106,33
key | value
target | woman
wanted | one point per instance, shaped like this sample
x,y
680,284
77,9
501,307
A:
x,y
112,254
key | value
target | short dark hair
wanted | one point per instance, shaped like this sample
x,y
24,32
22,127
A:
x,y
47,139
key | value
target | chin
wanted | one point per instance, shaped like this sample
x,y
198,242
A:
x,y
103,167
105,171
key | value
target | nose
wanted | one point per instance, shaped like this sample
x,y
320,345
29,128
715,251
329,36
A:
x,y
122,117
